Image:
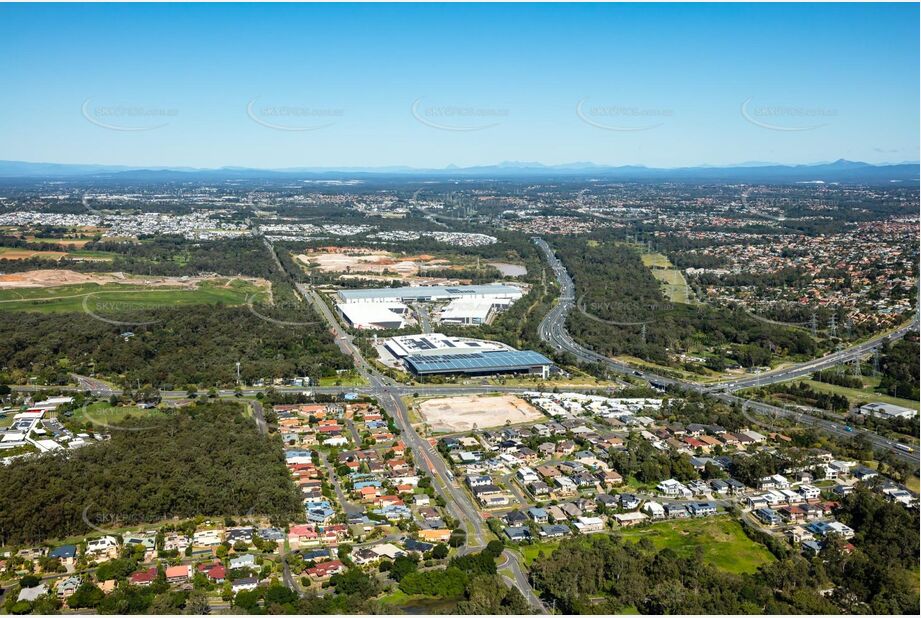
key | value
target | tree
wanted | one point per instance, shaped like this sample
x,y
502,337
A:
x,y
197,603
458,537
495,548
440,551
248,599
402,566
280,595
86,595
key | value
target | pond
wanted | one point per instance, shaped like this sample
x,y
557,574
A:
x,y
510,270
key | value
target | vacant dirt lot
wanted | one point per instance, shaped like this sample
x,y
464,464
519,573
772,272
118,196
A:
x,y
15,253
55,277
374,262
462,413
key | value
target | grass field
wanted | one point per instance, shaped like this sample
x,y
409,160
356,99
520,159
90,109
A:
x,y
417,603
867,394
530,552
68,242
115,298
675,288
16,253
346,379
656,260
102,414
722,540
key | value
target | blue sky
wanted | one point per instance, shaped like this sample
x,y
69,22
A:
x,y
432,85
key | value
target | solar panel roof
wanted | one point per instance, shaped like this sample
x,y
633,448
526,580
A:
x,y
474,362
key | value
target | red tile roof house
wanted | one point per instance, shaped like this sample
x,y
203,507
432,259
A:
x,y
302,535
389,501
215,571
144,578
341,531
368,494
398,464
326,569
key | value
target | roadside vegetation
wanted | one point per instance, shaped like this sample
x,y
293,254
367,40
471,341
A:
x,y
206,459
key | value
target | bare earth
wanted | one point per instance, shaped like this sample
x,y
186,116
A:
x,y
461,413
55,277
11,253
354,260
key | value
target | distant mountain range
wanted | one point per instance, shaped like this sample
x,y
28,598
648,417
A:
x,y
841,171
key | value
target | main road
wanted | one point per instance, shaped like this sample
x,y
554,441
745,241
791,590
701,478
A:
x,y
552,329
389,395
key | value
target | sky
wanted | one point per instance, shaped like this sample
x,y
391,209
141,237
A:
x,y
349,85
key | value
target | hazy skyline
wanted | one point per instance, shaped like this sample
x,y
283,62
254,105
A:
x,y
434,85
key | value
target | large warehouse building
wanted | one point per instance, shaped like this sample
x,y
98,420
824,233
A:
x,y
487,362
434,354
365,316
424,293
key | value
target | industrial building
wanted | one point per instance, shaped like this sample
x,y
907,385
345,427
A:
x,y
487,362
472,311
887,410
428,293
373,315
437,354
437,343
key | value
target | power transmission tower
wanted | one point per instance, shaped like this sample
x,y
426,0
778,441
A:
x,y
832,326
876,361
643,334
857,367
813,326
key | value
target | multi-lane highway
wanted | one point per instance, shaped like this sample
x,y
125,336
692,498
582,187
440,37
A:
x,y
553,330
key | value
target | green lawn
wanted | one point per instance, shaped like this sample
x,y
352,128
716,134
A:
x,y
116,298
722,540
867,394
102,414
529,552
656,260
345,379
662,269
